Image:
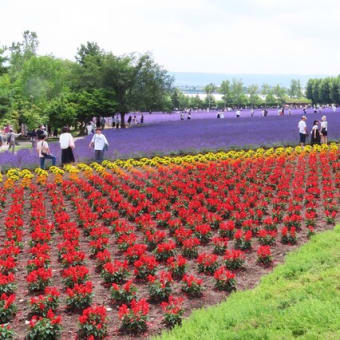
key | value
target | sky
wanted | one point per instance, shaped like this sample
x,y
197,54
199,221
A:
x,y
210,36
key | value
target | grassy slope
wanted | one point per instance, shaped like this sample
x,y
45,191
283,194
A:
x,y
300,298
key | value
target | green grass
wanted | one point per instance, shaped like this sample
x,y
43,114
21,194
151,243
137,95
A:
x,y
299,299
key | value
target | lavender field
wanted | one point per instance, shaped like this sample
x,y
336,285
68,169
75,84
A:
x,y
166,134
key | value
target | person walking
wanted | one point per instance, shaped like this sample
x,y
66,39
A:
x,y
66,142
100,144
89,128
102,123
302,126
324,129
44,151
315,133
11,139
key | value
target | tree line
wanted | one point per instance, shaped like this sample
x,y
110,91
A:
x,y
324,90
37,90
236,94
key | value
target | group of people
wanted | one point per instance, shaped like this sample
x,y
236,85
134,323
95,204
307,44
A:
x,y
185,114
67,145
318,134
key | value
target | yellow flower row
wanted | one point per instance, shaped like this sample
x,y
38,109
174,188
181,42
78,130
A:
x,y
14,174
210,156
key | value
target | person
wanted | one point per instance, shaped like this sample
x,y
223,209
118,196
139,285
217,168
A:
x,y
252,112
222,115
218,115
11,137
100,144
32,134
7,128
302,126
315,133
265,113
333,108
66,145
134,120
189,115
129,120
41,131
182,116
44,151
89,128
238,113
102,123
117,121
142,119
289,111
324,129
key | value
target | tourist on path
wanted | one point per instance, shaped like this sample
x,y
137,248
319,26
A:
x,y
44,151
11,139
66,145
315,133
324,129
100,144
302,126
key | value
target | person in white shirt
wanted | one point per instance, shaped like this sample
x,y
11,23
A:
x,y
324,129
66,145
302,126
100,144
44,152
238,113
89,128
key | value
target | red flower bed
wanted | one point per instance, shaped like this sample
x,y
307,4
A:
x,y
131,251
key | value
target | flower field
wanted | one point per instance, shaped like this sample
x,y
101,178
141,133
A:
x,y
166,134
131,247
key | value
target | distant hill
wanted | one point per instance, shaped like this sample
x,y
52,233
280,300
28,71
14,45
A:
x,y
190,79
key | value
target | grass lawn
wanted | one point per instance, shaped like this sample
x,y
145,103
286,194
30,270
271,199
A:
x,y
299,299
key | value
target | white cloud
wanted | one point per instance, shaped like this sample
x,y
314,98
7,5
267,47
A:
x,y
234,36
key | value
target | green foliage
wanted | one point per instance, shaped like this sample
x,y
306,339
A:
x,y
44,329
225,90
6,333
299,298
324,91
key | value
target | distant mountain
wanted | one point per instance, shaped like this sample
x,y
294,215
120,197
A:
x,y
192,79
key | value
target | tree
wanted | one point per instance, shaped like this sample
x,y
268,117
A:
x,y
335,90
225,90
179,100
309,90
279,93
265,89
295,90
3,60
209,90
90,49
254,99
136,83
325,91
22,51
270,99
237,93
196,102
